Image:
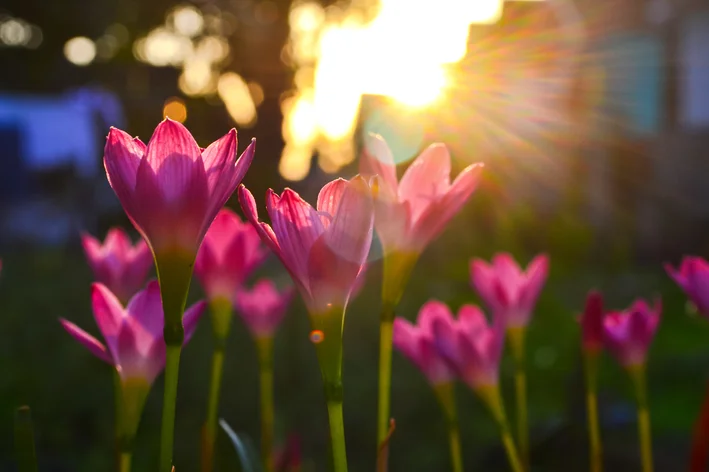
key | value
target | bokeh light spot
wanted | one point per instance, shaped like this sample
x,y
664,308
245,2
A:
x,y
403,132
80,51
175,109
317,336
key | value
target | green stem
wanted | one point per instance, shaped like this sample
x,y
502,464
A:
x,y
337,434
516,336
125,461
328,347
118,411
172,367
210,431
637,374
24,441
446,397
265,350
385,354
492,398
594,430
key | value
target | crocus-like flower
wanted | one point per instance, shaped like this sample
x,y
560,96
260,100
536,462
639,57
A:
x,y
263,307
628,334
134,334
471,347
417,342
693,277
231,250
117,264
411,213
323,249
506,289
592,323
172,189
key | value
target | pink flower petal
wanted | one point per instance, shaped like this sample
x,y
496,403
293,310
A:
x,y
172,154
330,196
89,342
426,180
108,314
122,155
536,276
377,160
146,316
218,156
191,318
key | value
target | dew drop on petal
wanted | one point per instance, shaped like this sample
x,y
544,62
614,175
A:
x,y
316,336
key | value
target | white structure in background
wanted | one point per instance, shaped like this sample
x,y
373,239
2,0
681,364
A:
x,y
394,48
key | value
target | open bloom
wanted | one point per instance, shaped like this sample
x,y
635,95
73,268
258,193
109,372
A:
x,y
411,213
693,277
471,347
628,334
263,307
117,264
172,189
506,289
134,334
231,250
592,323
323,249
417,342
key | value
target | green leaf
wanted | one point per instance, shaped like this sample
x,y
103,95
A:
x,y
244,448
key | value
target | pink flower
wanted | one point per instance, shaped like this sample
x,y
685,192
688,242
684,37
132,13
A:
x,y
411,213
471,347
263,307
628,334
693,278
417,342
506,289
117,264
231,250
171,189
134,334
323,249
592,323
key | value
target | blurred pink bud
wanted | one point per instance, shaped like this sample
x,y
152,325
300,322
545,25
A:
x,y
263,307
134,334
506,289
417,342
172,189
693,277
118,265
323,249
231,250
628,334
592,323
414,211
470,347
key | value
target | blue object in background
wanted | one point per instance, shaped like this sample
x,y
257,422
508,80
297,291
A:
x,y
634,80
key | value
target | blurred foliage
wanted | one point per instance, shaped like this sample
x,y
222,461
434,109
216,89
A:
x,y
70,392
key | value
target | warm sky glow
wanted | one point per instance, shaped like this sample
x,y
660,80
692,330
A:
x,y
395,48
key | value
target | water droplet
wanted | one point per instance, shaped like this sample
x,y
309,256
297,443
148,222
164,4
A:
x,y
316,336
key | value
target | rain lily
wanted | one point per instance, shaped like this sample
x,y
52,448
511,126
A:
x,y
323,249
263,307
473,350
417,342
412,212
592,323
470,347
231,250
409,214
133,341
118,264
693,277
172,189
508,290
628,334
